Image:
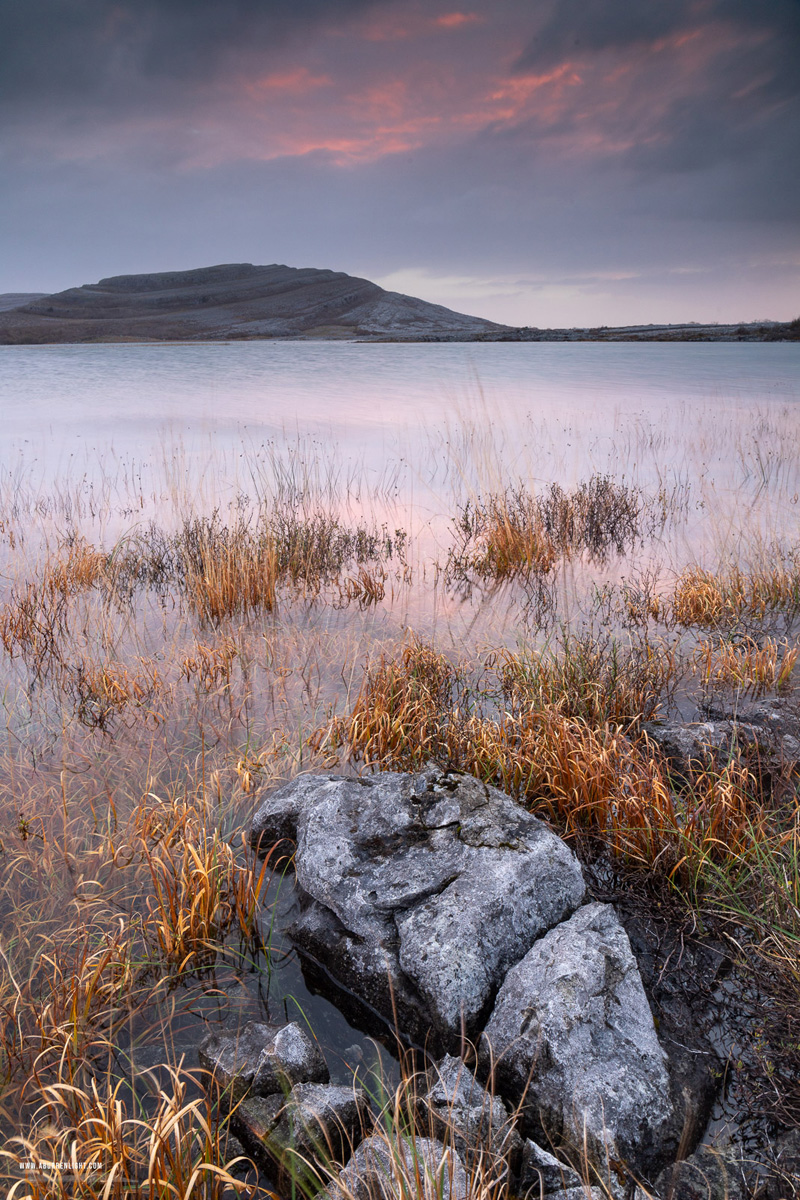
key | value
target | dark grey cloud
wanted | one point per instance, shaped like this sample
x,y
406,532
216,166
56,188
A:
x,y
586,26
117,51
743,107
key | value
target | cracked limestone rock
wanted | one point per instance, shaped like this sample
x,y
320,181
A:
x,y
419,891
572,1033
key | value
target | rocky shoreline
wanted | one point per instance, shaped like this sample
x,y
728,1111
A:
x,y
435,909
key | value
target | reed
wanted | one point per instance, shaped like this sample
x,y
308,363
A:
x,y
747,665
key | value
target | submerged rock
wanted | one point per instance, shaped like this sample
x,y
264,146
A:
x,y
418,892
573,1036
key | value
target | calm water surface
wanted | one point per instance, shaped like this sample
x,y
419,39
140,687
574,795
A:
x,y
66,408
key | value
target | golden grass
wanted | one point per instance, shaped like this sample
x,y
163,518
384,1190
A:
x,y
584,777
749,666
702,597
95,1143
502,536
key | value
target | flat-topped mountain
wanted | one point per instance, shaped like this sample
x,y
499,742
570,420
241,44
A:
x,y
232,301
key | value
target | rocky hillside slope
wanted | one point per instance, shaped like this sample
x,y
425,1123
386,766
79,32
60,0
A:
x,y
233,301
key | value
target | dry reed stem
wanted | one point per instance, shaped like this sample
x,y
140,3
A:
x,y
746,665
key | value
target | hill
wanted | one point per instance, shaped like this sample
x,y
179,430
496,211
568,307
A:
x,y
233,301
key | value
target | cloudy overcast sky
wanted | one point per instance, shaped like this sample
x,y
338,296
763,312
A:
x,y
542,162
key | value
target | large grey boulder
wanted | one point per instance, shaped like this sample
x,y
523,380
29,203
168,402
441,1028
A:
x,y
262,1059
572,1034
418,892
461,1112
387,1166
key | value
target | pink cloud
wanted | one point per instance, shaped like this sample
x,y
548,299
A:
x,y
455,20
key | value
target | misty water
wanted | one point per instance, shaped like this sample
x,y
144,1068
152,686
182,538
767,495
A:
x,y
67,409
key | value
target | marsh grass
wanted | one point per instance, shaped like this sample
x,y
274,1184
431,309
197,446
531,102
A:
x,y
746,665
504,535
720,598
156,684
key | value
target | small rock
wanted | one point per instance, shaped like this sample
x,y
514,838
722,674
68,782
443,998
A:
x,y
233,1060
578,1193
542,1173
467,1116
784,1177
384,1168
707,1174
317,1124
291,1057
262,1059
572,1033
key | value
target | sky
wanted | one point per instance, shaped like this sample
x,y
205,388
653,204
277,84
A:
x,y
536,162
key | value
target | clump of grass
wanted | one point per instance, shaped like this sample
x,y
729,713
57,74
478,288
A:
x,y
709,598
211,665
599,515
502,537
366,587
227,570
598,680
96,1142
519,533
749,666
101,692
200,888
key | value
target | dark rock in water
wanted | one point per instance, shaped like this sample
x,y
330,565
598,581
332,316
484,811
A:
x,y
420,891
774,723
572,1033
315,1125
262,1059
692,747
384,1168
463,1113
542,1174
784,1176
707,1174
